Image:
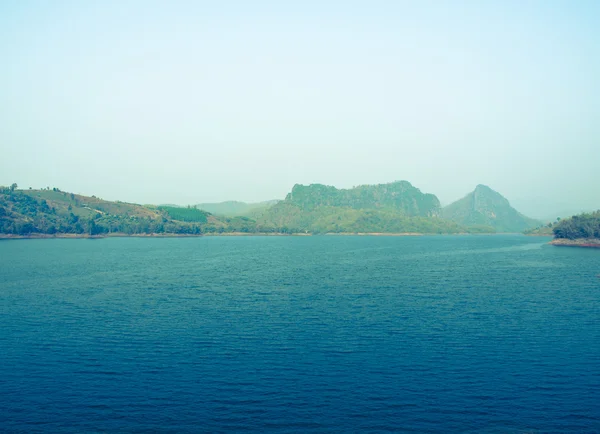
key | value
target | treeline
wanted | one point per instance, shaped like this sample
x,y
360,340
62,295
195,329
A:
x,y
585,225
189,214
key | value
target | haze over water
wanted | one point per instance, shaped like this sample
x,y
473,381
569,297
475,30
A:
x,y
311,334
192,101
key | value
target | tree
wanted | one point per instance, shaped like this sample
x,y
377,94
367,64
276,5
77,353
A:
x,y
92,228
13,187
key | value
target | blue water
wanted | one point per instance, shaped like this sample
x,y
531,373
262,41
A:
x,y
300,334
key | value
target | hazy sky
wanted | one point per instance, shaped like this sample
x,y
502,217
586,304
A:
x,y
195,101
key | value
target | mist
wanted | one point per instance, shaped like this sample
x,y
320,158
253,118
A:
x,y
189,102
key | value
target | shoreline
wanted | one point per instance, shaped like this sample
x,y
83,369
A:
x,y
215,234
123,235
378,234
223,234
236,234
579,242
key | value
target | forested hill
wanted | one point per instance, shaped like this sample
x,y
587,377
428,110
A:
x,y
485,206
583,226
398,196
52,211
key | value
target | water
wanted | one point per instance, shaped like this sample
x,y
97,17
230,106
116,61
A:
x,y
301,334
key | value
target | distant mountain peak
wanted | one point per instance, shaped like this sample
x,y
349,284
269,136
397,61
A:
x,y
486,194
485,206
485,190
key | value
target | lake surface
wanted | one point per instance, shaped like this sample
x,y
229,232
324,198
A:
x,y
300,334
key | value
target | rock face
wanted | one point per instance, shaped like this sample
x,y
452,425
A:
x,y
487,207
400,196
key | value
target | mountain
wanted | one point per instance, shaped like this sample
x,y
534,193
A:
x,y
235,208
399,196
485,206
386,208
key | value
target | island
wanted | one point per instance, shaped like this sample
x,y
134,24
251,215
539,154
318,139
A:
x,y
581,230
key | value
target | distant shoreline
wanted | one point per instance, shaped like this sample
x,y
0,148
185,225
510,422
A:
x,y
223,234
213,234
235,234
580,242
123,235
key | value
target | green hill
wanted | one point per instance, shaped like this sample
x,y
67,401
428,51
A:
x,y
582,226
485,206
31,212
398,196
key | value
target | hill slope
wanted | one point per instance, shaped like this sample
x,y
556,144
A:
x,y
287,217
30,212
485,206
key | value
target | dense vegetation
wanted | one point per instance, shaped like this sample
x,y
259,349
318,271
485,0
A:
x,y
585,225
399,196
487,207
185,214
51,211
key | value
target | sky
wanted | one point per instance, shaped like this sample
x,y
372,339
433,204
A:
x,y
196,101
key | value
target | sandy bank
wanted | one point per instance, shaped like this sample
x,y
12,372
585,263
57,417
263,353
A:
x,y
580,242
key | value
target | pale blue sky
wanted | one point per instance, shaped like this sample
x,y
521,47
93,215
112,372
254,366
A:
x,y
193,101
